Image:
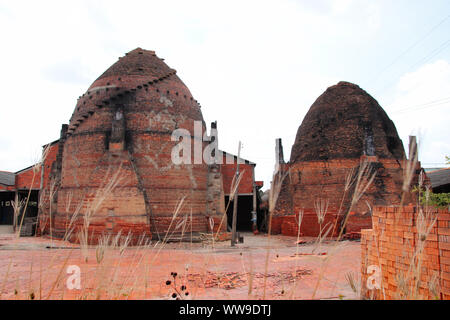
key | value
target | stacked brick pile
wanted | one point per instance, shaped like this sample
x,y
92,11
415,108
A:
x,y
390,246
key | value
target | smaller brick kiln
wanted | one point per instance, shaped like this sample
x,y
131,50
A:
x,y
343,128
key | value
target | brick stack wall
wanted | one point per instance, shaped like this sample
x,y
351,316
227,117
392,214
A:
x,y
392,242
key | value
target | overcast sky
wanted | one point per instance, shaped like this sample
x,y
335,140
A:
x,y
255,66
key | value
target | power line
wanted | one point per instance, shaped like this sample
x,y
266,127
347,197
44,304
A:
x,y
423,105
433,163
410,111
427,57
410,48
433,53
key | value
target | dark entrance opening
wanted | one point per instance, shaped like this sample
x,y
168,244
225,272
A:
x,y
6,208
244,212
29,221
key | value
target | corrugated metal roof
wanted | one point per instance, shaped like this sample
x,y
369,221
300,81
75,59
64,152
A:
x,y
7,178
439,177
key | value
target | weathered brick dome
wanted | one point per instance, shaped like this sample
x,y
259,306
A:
x,y
346,122
140,70
123,124
344,131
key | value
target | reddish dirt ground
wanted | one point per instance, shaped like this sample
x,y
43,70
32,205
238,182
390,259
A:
x,y
30,270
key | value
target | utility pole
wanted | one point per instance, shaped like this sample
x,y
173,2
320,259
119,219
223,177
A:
x,y
235,200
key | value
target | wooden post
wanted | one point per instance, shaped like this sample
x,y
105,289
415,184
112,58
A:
x,y
16,199
254,211
235,200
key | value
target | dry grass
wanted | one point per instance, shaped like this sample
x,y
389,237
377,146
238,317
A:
x,y
233,189
362,181
321,209
299,224
274,193
106,282
354,282
92,207
36,169
409,166
409,282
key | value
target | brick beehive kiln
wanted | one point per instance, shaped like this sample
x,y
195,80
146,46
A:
x,y
123,123
344,127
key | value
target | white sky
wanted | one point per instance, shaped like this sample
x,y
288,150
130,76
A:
x,y
255,66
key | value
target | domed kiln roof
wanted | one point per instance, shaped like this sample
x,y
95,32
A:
x,y
346,122
136,65
137,70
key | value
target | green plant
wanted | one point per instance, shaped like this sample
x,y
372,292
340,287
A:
x,y
428,198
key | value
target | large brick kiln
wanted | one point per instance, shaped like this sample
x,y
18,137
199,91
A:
x,y
343,128
123,124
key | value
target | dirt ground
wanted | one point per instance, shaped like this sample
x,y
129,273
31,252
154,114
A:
x,y
37,268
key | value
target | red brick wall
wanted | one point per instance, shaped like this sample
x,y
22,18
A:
x,y
288,225
24,179
229,171
28,179
308,182
391,244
